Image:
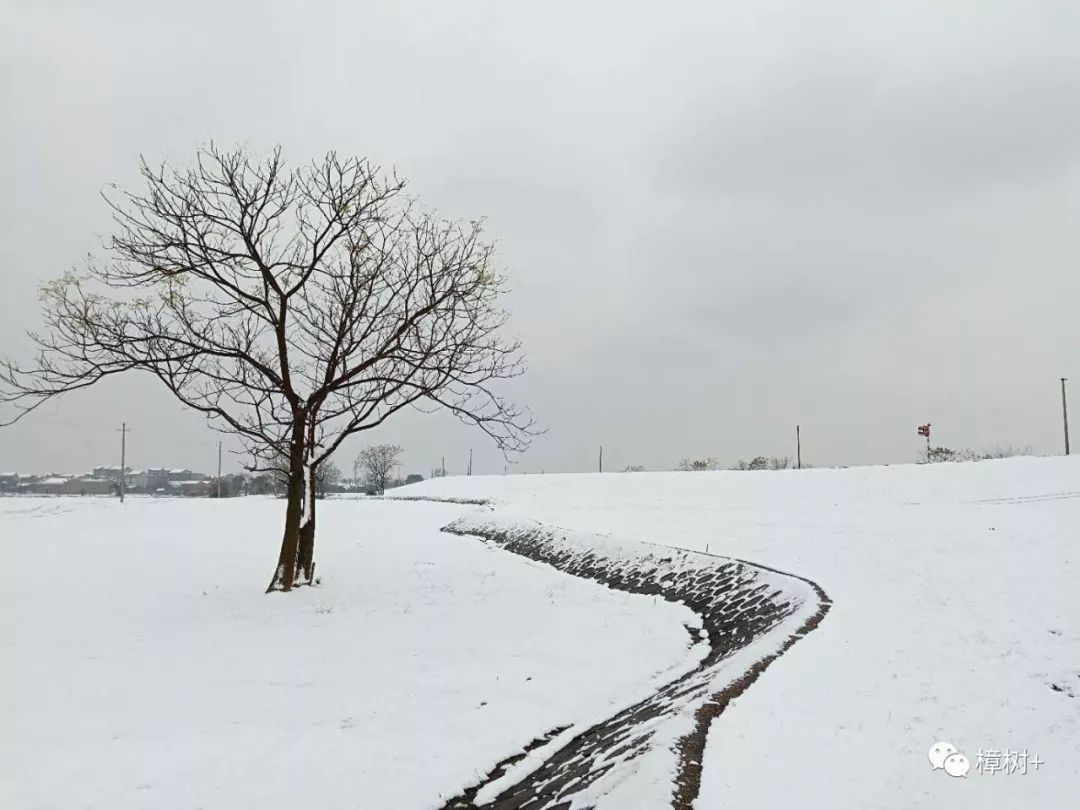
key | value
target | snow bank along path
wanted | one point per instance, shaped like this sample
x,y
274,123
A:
x,y
650,753
956,592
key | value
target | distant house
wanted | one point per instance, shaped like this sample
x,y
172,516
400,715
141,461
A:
x,y
59,485
109,473
49,486
156,478
105,480
133,479
185,474
192,488
27,481
91,486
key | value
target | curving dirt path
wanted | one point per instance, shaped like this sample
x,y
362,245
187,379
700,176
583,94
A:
x,y
750,614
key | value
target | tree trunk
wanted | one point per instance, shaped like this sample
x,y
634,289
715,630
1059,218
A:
x,y
285,572
305,558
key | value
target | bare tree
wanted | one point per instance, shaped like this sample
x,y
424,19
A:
x,y
294,306
326,476
377,463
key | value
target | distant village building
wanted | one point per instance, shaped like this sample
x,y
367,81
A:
x,y
49,486
156,478
192,488
108,473
186,475
105,480
61,485
91,486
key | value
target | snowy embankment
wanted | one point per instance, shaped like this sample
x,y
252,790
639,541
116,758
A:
x,y
956,617
143,666
648,754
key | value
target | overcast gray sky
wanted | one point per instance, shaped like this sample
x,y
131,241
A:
x,y
720,218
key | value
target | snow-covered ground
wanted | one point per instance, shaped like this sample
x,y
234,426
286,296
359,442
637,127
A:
x,y
144,667
956,617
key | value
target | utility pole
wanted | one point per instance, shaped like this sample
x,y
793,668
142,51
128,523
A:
x,y
444,466
798,448
219,470
470,462
123,457
601,458
1065,414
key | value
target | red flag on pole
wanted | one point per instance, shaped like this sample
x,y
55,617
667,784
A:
x,y
924,430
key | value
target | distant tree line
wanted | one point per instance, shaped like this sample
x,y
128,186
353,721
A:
x,y
372,473
756,463
932,455
273,482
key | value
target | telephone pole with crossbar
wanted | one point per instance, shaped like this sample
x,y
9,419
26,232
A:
x,y
1065,414
123,457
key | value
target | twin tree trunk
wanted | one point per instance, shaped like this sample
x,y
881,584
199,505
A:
x,y
296,560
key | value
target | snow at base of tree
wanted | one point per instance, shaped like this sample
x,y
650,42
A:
x,y
144,667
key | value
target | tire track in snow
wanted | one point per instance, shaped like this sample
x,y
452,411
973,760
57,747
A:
x,y
1049,496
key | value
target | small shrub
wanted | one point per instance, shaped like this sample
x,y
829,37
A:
x,y
936,455
1007,451
698,464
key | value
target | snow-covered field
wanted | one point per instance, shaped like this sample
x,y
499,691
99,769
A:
x,y
956,617
143,667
